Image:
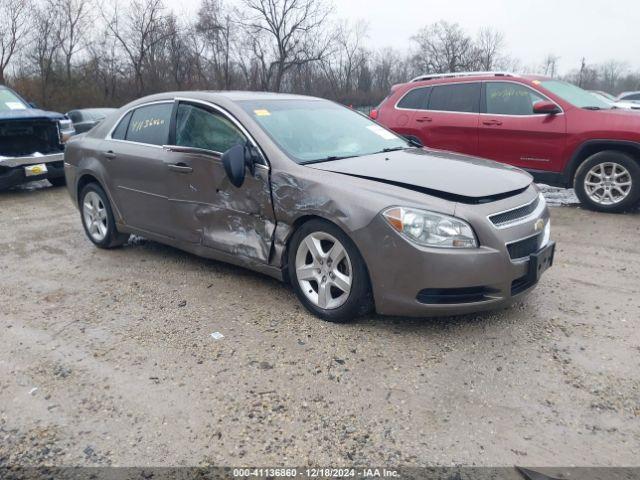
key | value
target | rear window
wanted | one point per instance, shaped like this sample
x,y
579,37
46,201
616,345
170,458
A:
x,y
415,99
461,97
150,124
121,130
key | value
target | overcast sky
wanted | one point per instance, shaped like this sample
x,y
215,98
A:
x,y
571,29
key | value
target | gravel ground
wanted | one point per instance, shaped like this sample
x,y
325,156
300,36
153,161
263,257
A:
x,y
106,358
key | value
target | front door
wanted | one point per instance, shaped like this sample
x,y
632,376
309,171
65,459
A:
x,y
206,208
512,133
135,161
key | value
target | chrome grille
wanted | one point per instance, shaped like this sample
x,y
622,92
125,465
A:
x,y
505,218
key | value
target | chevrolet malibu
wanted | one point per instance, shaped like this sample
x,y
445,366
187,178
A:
x,y
307,191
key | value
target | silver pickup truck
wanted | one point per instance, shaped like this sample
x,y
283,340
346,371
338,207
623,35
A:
x,y
31,142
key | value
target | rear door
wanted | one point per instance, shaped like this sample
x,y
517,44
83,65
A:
x,y
206,208
411,103
136,164
511,133
450,120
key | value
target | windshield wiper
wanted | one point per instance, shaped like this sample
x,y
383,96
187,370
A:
x,y
330,158
591,107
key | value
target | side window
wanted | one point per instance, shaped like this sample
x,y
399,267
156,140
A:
x,y
75,116
121,130
150,124
199,128
634,97
461,97
504,98
415,99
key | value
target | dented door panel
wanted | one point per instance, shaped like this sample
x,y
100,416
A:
x,y
208,210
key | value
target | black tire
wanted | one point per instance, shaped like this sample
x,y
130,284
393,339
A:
x,y
113,238
631,165
360,299
58,181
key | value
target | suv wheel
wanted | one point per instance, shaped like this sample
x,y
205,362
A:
x,y
608,182
328,273
97,218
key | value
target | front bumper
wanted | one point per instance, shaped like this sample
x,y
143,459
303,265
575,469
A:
x,y
12,168
409,280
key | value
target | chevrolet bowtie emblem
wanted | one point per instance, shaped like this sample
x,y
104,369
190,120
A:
x,y
539,225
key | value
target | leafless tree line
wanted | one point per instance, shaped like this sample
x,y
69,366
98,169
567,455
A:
x,y
77,53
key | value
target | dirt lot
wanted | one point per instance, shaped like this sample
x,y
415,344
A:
x,y
106,359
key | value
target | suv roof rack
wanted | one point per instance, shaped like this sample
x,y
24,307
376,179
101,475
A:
x,y
432,76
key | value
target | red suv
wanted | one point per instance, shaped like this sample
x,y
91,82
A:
x,y
563,135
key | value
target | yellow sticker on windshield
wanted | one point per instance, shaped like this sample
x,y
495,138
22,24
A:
x,y
262,112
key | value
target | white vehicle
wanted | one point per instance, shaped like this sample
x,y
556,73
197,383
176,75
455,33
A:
x,y
632,97
615,103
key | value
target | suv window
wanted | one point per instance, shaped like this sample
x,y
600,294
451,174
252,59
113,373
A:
x,y
460,97
150,124
505,98
415,99
121,130
634,96
200,128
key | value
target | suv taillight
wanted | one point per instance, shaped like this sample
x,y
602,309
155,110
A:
x,y
373,114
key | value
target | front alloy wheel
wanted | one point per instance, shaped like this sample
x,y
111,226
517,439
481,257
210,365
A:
x,y
324,270
608,181
327,272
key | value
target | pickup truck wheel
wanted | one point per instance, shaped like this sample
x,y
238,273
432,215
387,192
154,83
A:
x,y
58,181
608,181
327,272
97,218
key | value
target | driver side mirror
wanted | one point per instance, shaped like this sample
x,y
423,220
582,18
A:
x,y
237,160
546,108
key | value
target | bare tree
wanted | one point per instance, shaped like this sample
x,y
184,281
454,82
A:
x,y
443,47
348,57
550,65
215,26
44,47
74,19
138,30
488,46
285,33
611,72
13,29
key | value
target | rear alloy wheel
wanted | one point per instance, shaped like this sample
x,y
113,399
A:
x,y
608,182
97,218
328,273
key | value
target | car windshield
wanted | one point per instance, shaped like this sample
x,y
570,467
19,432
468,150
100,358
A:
x,y
312,131
575,95
10,101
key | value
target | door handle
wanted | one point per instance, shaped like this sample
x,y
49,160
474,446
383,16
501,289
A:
x,y
180,167
492,122
424,119
110,155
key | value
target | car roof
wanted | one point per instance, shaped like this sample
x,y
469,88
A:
x,y
472,77
229,95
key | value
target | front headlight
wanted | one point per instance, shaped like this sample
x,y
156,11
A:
x,y
431,229
66,129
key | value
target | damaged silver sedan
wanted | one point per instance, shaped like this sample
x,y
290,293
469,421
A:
x,y
313,193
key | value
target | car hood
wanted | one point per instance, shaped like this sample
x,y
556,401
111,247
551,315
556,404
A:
x,y
442,174
30,114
